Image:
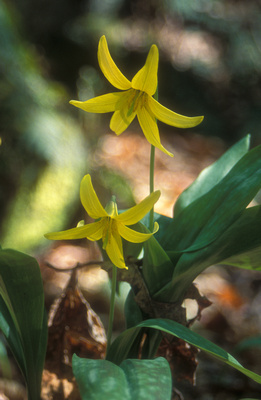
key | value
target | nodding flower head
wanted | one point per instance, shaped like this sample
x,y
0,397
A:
x,y
109,226
134,99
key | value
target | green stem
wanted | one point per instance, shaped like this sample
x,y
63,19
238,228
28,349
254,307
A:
x,y
112,304
152,162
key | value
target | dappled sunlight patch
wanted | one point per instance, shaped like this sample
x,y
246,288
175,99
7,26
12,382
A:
x,y
42,209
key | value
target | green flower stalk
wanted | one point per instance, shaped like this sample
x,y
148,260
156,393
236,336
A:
x,y
135,99
109,226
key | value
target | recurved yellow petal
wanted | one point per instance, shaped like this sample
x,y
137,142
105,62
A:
x,y
91,231
121,120
100,104
90,200
146,78
133,236
150,128
109,68
115,251
136,213
170,117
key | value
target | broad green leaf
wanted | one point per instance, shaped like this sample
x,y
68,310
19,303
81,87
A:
x,y
22,315
202,221
215,227
247,260
9,330
239,245
132,380
157,268
148,379
5,362
211,175
194,339
100,379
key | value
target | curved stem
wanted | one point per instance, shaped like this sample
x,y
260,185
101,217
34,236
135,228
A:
x,y
112,304
152,162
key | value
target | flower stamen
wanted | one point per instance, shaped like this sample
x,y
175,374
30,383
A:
x,y
134,103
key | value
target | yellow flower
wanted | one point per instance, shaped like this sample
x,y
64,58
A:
x,y
135,98
110,226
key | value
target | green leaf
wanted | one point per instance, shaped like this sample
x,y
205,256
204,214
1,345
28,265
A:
x,y
132,311
150,343
213,228
194,339
118,349
22,315
132,380
100,379
126,345
239,245
157,268
202,221
148,379
5,362
246,260
9,329
211,175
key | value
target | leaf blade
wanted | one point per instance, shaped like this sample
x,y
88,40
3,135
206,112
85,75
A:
x,y
22,294
194,339
202,221
211,175
148,379
132,380
100,379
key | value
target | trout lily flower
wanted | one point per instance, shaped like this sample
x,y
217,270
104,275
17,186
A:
x,y
135,98
110,226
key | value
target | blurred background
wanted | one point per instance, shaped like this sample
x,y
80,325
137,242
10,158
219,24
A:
x,y
210,64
